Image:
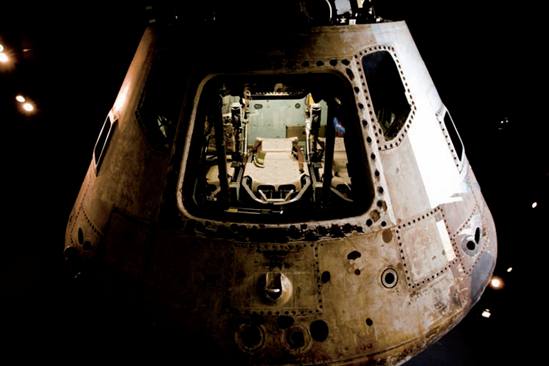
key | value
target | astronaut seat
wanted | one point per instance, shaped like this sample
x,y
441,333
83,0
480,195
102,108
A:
x,y
275,170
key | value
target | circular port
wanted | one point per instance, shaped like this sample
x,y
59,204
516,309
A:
x,y
250,337
319,330
471,245
389,278
325,277
296,339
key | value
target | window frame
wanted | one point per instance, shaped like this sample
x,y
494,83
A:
x,y
103,141
361,169
375,90
167,71
451,135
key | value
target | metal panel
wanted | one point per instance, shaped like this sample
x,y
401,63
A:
x,y
408,195
297,263
125,245
425,248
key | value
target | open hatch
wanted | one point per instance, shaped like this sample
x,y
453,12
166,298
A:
x,y
290,147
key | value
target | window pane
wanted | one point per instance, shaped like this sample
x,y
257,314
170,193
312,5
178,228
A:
x,y
160,103
386,91
102,143
454,136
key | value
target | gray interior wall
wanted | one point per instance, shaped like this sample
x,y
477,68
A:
x,y
269,118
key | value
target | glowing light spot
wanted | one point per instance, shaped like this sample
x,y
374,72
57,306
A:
x,y
28,107
1,48
509,269
496,283
486,313
3,57
20,99
534,205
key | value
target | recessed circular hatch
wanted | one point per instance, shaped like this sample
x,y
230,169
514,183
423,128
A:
x,y
250,337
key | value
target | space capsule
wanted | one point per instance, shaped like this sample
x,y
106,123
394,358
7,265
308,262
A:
x,y
285,195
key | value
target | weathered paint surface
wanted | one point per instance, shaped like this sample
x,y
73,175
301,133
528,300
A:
x,y
371,289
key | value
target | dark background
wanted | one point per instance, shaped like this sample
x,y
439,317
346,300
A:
x,y
486,60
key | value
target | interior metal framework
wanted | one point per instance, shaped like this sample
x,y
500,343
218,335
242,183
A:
x,y
291,147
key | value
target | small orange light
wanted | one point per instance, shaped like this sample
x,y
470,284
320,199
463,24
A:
x,y
4,58
486,313
496,283
20,99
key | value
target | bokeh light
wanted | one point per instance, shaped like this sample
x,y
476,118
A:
x,y
28,107
496,283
